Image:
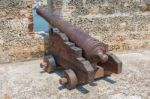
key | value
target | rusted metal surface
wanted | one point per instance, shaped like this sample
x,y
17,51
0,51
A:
x,y
92,47
83,58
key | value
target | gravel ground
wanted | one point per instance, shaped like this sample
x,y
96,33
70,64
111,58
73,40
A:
x,y
26,80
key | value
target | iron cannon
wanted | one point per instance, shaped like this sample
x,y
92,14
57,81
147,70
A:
x,y
82,57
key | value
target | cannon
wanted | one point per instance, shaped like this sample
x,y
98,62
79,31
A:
x,y
83,58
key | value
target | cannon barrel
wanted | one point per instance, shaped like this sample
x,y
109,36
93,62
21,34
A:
x,y
94,50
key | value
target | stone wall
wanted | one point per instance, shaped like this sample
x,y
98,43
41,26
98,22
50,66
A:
x,y
123,24
15,42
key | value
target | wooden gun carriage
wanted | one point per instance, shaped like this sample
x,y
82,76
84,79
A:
x,y
82,57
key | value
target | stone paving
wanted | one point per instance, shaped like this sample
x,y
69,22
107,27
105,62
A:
x,y
26,80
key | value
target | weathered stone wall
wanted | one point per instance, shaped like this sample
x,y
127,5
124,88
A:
x,y
123,24
15,43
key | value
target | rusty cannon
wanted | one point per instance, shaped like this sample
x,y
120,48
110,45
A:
x,y
83,58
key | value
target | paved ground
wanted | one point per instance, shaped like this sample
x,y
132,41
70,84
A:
x,y
26,80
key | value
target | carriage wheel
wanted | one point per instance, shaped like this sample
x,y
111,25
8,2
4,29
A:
x,y
48,64
69,79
